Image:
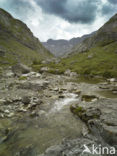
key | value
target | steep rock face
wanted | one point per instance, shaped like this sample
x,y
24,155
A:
x,y
62,47
17,41
105,35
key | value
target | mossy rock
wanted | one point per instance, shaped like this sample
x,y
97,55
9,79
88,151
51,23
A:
x,y
85,114
77,110
89,98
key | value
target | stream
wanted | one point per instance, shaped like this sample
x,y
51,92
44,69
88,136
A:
x,y
37,134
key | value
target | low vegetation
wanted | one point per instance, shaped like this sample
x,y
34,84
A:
x,y
98,61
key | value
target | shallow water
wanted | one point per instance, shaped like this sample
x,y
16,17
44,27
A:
x,y
39,133
107,94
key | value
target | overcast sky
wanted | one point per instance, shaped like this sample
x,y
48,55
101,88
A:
x,y
61,19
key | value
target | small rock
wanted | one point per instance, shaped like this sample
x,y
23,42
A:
x,y
26,100
22,110
114,92
10,115
44,69
34,114
41,112
56,89
67,72
78,92
112,80
73,74
61,96
54,151
89,98
9,74
6,111
90,56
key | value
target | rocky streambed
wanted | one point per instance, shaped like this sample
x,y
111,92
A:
x,y
35,115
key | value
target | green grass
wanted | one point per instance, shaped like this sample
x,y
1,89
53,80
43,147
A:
x,y
22,78
103,62
16,51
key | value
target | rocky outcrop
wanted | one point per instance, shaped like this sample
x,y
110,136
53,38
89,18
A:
x,y
71,148
100,117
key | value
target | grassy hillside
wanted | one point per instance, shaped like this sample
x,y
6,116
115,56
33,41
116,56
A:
x,y
105,35
97,61
100,60
97,55
17,43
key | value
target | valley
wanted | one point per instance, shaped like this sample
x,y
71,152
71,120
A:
x,y
53,106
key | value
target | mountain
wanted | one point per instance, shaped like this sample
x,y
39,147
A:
x,y
61,47
17,43
105,35
94,56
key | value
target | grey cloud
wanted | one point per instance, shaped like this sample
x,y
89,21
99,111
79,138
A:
x,y
19,8
107,9
113,1
83,11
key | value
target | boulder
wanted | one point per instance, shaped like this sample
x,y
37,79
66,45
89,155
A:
x,y
100,117
20,69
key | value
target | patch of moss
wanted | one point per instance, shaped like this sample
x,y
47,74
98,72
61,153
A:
x,y
22,78
77,110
